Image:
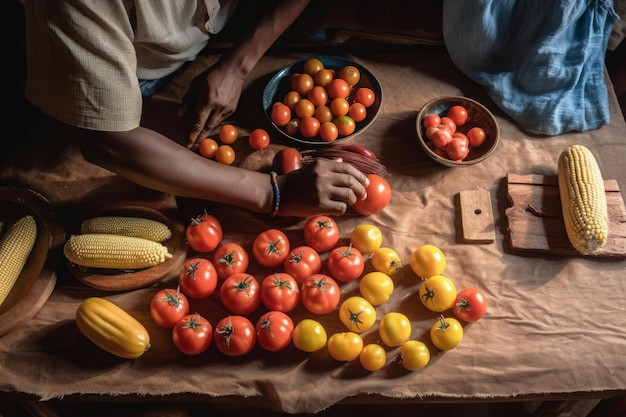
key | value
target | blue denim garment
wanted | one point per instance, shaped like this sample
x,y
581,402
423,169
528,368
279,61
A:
x,y
541,61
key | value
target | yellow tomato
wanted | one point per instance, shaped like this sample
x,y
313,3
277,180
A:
x,y
394,329
357,314
438,293
373,357
376,287
309,335
386,260
366,238
428,260
345,346
414,355
446,333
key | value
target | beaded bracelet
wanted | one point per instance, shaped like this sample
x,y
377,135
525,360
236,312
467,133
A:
x,y
274,177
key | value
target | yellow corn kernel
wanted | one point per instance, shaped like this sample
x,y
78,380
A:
x,y
99,250
127,226
583,199
15,249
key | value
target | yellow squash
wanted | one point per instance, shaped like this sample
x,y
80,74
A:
x,y
111,328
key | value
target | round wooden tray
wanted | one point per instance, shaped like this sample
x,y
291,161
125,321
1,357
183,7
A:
x,y
38,278
116,280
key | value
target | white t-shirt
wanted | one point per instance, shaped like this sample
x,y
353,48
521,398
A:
x,y
85,57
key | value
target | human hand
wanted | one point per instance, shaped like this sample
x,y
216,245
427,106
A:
x,y
212,96
321,187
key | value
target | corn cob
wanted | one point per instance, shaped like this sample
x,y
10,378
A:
x,y
127,226
583,199
98,250
15,249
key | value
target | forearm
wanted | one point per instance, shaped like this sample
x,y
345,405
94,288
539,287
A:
x,y
154,161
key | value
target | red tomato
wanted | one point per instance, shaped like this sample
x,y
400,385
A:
x,y
378,196
168,307
321,233
448,123
204,233
280,291
280,114
229,259
365,96
197,278
357,112
240,293
274,330
324,77
270,248
440,137
458,114
338,88
319,294
259,138
302,83
234,335
309,127
323,114
329,131
431,120
302,262
339,106
318,96
228,134
476,136
208,147
345,263
287,160
193,334
470,305
291,98
457,149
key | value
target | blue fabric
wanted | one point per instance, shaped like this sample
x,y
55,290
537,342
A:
x,y
541,61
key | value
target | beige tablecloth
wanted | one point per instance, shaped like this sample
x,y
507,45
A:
x,y
554,327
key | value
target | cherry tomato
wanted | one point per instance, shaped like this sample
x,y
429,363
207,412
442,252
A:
x,y
323,114
329,131
366,238
324,77
234,335
318,96
168,307
431,120
373,357
427,261
204,233
476,136
338,88
208,148
386,260
446,333
193,334
458,114
312,66
228,134
280,114
302,83
378,196
357,112
458,148
259,139
345,263
394,329
309,335
302,262
229,259
304,108
270,248
319,294
309,127
225,154
448,123
291,98
321,233
280,292
339,106
470,304
438,293
274,330
357,314
440,137
240,293
198,278
345,125
365,96
293,127
376,287
287,160
414,355
350,74
345,346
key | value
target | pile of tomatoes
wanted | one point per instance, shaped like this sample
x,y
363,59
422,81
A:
x,y
445,138
221,148
322,103
297,280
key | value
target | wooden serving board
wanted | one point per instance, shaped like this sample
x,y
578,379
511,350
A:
x,y
535,220
38,278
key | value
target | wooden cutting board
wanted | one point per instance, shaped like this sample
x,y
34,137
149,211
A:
x,y
536,224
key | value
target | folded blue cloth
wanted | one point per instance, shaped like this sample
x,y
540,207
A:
x,y
541,61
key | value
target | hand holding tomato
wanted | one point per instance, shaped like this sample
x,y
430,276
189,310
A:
x,y
378,196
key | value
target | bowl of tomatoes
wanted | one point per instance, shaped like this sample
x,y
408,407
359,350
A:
x,y
457,131
322,100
